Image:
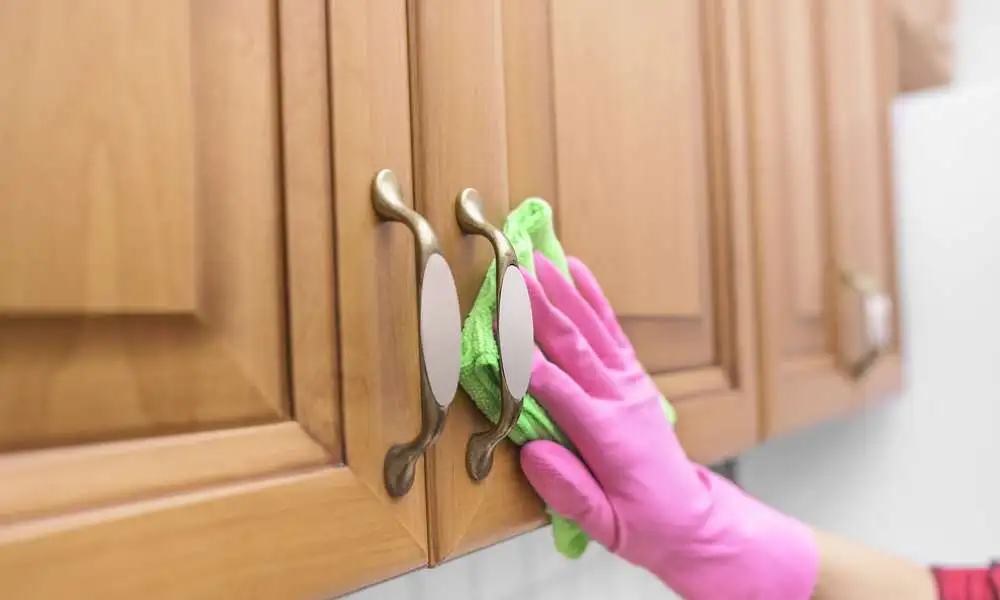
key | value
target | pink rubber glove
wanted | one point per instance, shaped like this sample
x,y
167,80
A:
x,y
641,497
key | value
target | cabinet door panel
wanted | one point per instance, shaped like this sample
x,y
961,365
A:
x,y
631,164
285,244
803,378
141,224
810,122
803,231
859,87
638,112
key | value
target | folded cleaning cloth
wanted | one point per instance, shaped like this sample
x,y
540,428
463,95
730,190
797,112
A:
x,y
529,229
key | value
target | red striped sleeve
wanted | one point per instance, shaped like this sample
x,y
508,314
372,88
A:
x,y
968,584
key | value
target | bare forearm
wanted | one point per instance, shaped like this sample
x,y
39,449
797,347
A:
x,y
852,572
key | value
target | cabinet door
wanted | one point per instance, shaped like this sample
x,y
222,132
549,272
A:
x,y
629,120
459,142
859,84
173,422
642,159
804,379
804,74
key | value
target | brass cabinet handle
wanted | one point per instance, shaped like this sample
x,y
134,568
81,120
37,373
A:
x,y
876,307
440,332
514,333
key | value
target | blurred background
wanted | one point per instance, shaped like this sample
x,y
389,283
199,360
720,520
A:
x,y
914,475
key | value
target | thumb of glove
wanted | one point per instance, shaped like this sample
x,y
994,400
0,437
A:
x,y
567,486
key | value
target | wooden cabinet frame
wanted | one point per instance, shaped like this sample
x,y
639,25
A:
x,y
821,181
472,128
296,508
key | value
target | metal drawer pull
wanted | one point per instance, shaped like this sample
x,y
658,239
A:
x,y
514,333
876,310
440,332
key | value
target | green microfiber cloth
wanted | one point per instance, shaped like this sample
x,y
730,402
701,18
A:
x,y
529,229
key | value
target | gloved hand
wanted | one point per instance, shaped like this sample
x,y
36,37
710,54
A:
x,y
641,497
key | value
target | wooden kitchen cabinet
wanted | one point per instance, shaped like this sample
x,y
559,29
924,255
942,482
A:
x,y
173,421
818,100
209,341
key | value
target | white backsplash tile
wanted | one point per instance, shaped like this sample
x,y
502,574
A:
x,y
527,567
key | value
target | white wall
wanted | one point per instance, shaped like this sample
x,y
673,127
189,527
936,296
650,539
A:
x,y
977,52
915,475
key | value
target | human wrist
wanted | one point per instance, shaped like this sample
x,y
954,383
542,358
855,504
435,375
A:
x,y
854,572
